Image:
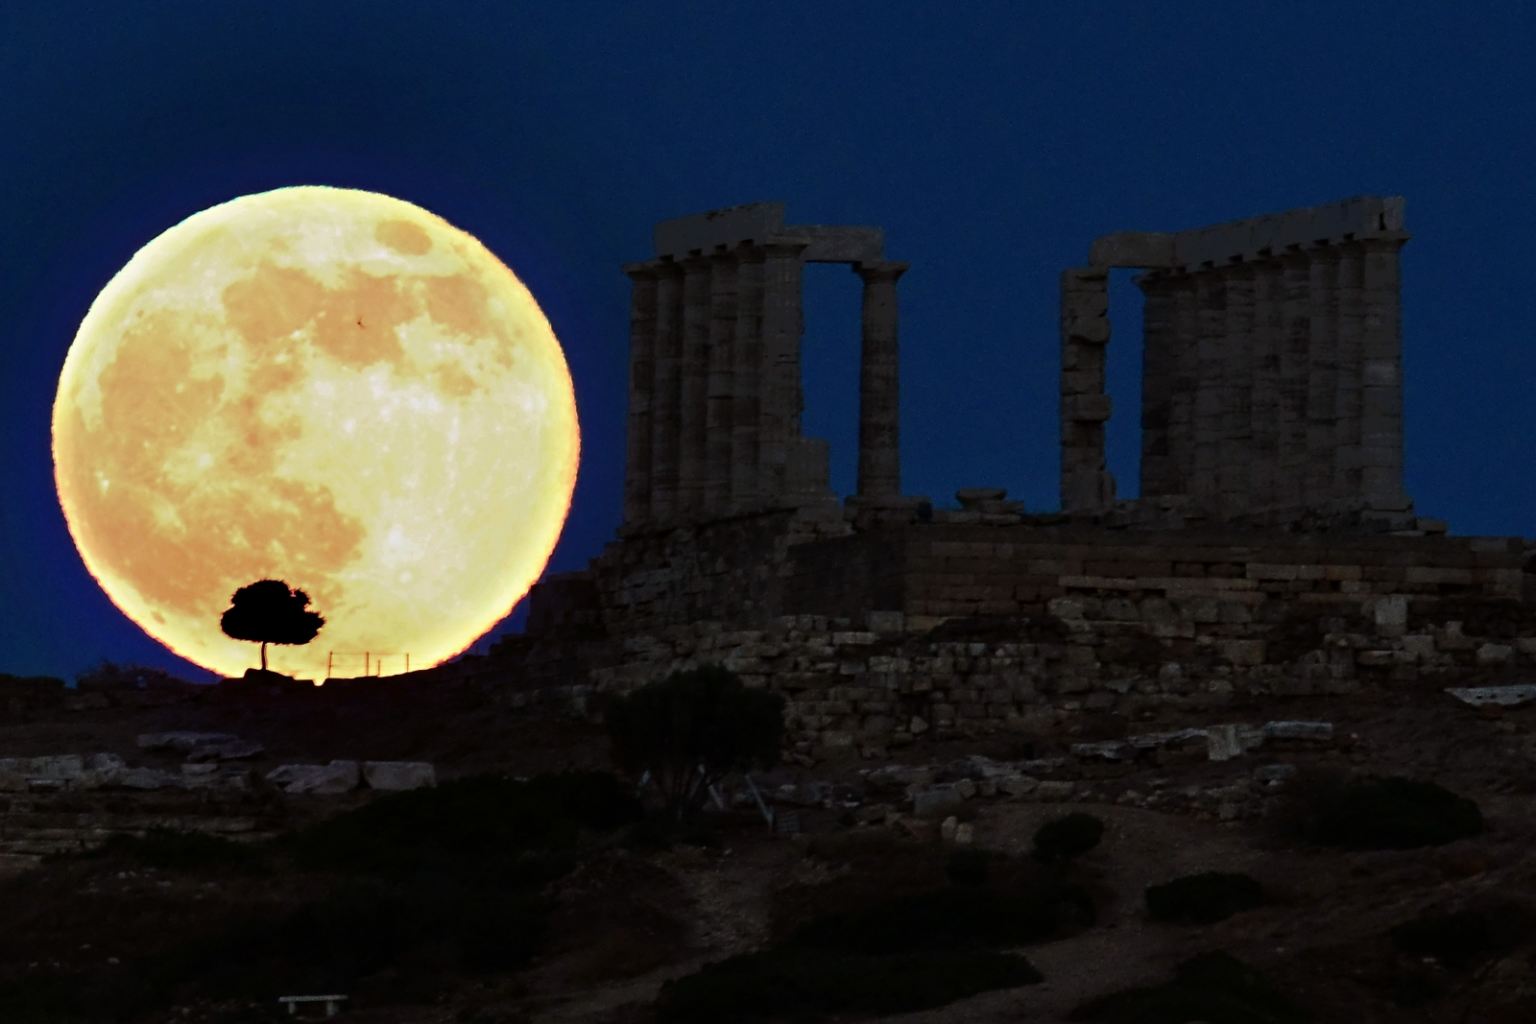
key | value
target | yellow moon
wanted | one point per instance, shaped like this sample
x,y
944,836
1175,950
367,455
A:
x,y
326,386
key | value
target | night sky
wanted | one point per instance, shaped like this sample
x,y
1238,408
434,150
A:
x,y
992,141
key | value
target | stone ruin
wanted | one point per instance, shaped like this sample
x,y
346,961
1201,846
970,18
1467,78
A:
x,y
1272,366
1272,551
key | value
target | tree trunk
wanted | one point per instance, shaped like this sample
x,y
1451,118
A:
x,y
263,655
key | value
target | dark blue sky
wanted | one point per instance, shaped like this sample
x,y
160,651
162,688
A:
x,y
992,141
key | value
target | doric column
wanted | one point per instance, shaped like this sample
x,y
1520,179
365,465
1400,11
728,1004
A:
x,y
695,373
642,387
1265,420
666,417
1186,382
1086,485
1209,419
1295,348
879,383
1322,373
1346,381
780,399
1236,451
1157,384
719,388
1381,426
746,380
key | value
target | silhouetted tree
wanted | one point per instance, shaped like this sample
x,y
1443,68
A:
x,y
691,729
268,612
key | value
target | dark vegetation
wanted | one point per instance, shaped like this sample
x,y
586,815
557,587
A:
x,y
1067,837
1203,898
393,901
1214,987
690,730
269,612
1469,937
906,928
1372,813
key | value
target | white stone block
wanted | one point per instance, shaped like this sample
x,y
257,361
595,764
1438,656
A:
x,y
399,775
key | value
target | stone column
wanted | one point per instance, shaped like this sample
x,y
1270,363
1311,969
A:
x,y
1086,485
879,383
666,419
1295,346
1266,421
1209,417
1236,451
1157,384
642,388
1346,381
746,380
695,376
719,420
1322,373
780,398
1381,423
1186,381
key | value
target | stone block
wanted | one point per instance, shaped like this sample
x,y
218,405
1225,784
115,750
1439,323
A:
x,y
1223,742
183,742
1494,654
322,779
393,776
1055,791
1502,696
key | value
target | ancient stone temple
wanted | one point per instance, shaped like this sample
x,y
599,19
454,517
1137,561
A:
x,y
715,392
1272,366
1272,551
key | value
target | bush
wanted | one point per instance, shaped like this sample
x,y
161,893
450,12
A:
x,y
1464,938
1204,898
1384,814
1067,837
483,826
172,850
800,984
693,728
1213,987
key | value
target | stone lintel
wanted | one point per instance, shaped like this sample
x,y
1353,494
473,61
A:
x,y
1357,219
840,244
1132,249
729,226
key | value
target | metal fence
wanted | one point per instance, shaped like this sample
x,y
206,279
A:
x,y
353,664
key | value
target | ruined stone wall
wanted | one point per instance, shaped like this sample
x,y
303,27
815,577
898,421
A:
x,y
890,633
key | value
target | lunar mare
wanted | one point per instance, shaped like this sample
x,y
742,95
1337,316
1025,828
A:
x,y
331,387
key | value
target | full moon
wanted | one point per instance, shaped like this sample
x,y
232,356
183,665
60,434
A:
x,y
329,387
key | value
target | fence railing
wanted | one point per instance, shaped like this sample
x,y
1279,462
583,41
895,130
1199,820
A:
x,y
352,664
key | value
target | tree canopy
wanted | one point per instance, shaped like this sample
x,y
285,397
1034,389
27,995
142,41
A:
x,y
270,612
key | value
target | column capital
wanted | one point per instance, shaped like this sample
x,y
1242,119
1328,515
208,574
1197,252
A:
x,y
695,261
643,270
665,266
880,270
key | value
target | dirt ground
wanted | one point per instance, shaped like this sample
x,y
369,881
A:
x,y
628,922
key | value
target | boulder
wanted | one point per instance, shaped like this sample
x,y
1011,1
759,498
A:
x,y
321,779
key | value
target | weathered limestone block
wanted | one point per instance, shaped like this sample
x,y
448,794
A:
x,y
393,776
1224,742
322,779
1503,696
936,801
